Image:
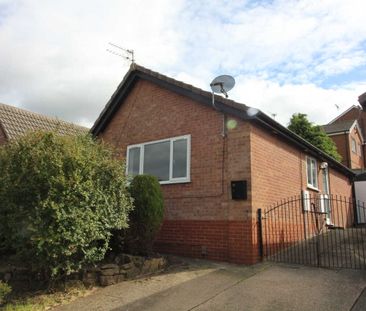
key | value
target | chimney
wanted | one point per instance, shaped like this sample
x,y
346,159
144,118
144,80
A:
x,y
362,100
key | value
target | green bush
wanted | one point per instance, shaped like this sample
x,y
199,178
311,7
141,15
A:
x,y
147,216
314,134
5,289
60,198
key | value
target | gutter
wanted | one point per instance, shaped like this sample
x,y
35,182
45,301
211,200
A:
x,y
337,133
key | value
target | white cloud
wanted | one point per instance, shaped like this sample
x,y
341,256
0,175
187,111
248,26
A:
x,y
284,100
282,35
53,55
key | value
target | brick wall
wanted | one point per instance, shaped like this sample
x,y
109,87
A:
x,y
356,157
279,170
355,114
200,217
278,176
360,115
339,184
344,147
352,114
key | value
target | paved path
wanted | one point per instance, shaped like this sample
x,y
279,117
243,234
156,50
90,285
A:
x,y
203,285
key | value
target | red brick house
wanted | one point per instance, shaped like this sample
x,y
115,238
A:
x,y
15,122
347,135
217,165
352,158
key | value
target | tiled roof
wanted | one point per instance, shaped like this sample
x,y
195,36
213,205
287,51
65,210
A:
x,y
191,88
188,87
17,122
222,104
343,126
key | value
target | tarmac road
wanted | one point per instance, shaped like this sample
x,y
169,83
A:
x,y
203,285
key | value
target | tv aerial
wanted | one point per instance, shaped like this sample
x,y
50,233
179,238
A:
x,y
221,84
127,54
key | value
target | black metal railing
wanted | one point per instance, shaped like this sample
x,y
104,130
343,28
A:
x,y
317,230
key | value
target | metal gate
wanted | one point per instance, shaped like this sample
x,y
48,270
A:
x,y
316,230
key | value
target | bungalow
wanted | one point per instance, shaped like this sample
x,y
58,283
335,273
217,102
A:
x,y
217,164
15,122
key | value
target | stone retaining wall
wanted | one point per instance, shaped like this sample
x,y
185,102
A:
x,y
128,267
124,267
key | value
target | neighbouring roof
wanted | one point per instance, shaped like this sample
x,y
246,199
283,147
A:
x,y
344,126
345,112
16,122
224,105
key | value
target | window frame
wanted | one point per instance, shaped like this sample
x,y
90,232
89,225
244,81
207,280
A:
x,y
326,182
353,145
315,167
171,140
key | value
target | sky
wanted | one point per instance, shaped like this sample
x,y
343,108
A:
x,y
287,56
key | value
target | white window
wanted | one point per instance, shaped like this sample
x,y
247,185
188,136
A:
x,y
167,159
306,200
312,172
353,145
325,180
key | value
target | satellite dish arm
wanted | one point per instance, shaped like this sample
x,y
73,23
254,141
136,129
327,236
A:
x,y
222,89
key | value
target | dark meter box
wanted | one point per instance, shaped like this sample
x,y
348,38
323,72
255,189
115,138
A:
x,y
239,190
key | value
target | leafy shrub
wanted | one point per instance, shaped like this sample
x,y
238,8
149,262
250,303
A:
x,y
147,216
60,198
5,289
314,134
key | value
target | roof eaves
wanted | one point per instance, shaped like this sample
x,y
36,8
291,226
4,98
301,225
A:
x,y
338,133
222,104
111,105
204,97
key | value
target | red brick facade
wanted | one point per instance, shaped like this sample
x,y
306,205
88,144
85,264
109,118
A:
x,y
356,156
343,147
354,159
343,141
201,219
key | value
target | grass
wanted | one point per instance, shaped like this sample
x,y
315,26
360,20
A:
x,y
45,300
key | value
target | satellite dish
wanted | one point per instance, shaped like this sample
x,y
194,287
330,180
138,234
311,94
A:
x,y
222,84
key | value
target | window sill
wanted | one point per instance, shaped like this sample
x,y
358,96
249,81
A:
x,y
172,182
310,187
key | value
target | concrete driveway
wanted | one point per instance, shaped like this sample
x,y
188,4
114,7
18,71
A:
x,y
203,285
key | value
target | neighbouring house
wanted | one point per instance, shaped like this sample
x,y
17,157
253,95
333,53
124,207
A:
x,y
217,164
15,122
354,113
347,135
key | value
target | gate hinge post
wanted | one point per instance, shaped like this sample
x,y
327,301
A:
x,y
260,233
